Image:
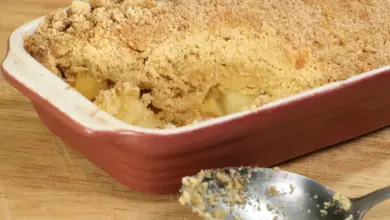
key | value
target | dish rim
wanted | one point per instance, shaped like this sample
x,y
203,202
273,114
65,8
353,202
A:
x,y
24,69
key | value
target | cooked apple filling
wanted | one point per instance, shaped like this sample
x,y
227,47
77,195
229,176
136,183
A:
x,y
165,63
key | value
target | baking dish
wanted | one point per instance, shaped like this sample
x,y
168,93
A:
x,y
154,161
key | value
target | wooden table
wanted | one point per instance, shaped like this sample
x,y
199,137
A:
x,y
42,179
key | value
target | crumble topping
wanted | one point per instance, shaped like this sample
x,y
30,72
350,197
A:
x,y
210,187
272,191
170,63
342,201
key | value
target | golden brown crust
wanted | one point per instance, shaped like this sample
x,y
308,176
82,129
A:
x,y
178,50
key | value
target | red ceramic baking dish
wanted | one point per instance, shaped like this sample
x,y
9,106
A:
x,y
154,161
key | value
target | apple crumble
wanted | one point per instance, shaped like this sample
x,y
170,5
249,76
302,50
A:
x,y
165,63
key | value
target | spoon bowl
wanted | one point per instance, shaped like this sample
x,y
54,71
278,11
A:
x,y
262,193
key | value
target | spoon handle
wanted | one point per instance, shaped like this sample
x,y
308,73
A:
x,y
364,203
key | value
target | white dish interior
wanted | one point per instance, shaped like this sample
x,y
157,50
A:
x,y
36,77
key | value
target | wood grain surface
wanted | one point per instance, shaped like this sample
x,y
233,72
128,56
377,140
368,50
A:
x,y
42,179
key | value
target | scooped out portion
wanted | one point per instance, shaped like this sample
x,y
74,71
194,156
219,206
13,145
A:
x,y
170,63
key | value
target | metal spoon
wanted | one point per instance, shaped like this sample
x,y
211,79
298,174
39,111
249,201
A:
x,y
272,194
